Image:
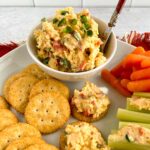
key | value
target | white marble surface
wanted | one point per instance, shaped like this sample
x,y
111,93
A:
x,y
16,22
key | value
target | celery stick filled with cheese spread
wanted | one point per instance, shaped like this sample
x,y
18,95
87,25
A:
x,y
69,42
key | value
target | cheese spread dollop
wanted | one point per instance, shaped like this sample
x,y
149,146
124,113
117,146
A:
x,y
69,42
83,136
90,101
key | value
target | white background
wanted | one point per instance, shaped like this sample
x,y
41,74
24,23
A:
x,y
77,3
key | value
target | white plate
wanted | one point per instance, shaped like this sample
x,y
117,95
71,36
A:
x,y
19,58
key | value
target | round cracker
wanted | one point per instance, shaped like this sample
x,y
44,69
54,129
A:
x,y
41,147
47,85
24,142
35,70
19,92
80,116
16,131
47,111
7,118
3,103
9,81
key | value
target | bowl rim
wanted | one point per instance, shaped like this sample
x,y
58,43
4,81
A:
x,y
70,73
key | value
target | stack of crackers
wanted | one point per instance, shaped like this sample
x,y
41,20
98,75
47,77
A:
x,y
35,94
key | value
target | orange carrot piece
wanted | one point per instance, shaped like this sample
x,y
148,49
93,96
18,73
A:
x,y
140,74
124,83
145,63
116,71
139,86
139,50
126,74
147,53
133,60
114,82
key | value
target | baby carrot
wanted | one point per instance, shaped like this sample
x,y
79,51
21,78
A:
x,y
116,71
141,74
139,86
138,50
126,74
145,63
133,60
124,83
114,82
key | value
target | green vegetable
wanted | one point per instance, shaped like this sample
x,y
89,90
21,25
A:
x,y
65,63
129,138
68,30
87,26
129,106
124,145
55,20
127,115
89,32
77,36
47,49
73,21
64,12
122,124
62,22
43,19
83,19
45,61
142,94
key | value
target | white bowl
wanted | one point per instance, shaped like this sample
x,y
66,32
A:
x,y
111,49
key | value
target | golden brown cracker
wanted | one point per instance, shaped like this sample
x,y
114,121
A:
x,y
15,132
41,147
80,116
3,103
35,70
9,81
24,142
7,118
47,111
19,92
47,85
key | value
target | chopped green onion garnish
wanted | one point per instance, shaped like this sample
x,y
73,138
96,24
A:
x,y
45,61
62,22
87,26
64,12
68,30
83,19
129,138
43,19
77,36
55,20
73,21
65,63
89,32
47,49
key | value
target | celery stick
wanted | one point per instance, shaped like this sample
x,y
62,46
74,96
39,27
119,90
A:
x,y
127,115
124,145
134,108
142,94
122,124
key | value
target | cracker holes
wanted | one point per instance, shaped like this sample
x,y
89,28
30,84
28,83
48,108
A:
x,y
47,110
52,121
57,112
51,88
20,99
8,141
41,101
37,110
42,91
52,102
42,120
29,85
19,136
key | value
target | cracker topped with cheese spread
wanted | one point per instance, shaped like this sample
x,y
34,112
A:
x,y
82,136
89,104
